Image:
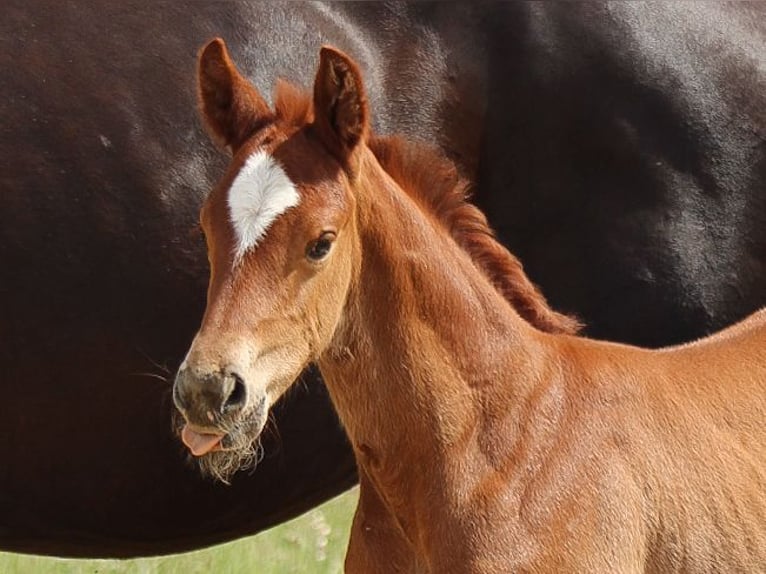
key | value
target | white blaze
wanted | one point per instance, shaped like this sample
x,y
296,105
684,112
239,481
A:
x,y
261,192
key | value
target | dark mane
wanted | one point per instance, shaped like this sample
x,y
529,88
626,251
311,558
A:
x,y
433,180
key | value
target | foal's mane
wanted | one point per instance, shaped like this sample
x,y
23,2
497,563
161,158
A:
x,y
434,182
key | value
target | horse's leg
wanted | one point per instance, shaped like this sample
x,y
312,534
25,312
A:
x,y
377,544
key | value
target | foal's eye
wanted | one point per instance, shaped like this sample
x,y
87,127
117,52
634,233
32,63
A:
x,y
318,249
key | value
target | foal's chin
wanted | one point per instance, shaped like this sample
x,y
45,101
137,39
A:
x,y
240,448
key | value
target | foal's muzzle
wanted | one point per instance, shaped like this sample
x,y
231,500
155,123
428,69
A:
x,y
209,399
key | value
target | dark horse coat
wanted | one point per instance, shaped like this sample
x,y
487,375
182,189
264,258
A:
x,y
618,149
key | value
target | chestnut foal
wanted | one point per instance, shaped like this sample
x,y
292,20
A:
x,y
484,443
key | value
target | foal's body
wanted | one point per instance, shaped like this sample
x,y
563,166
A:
x,y
486,442
485,445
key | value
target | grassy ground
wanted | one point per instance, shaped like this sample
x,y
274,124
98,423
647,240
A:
x,y
314,543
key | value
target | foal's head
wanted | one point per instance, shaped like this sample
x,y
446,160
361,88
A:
x,y
281,242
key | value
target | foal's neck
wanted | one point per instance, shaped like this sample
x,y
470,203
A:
x,y
427,346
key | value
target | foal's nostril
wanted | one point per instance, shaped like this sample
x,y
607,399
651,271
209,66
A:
x,y
237,396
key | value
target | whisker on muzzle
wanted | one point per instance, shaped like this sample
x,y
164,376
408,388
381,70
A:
x,y
242,447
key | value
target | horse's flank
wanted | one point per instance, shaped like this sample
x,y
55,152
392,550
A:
x,y
484,444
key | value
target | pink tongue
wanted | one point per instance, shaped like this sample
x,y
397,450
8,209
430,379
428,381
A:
x,y
199,443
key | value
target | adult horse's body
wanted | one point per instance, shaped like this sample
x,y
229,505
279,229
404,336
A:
x,y
485,444
631,134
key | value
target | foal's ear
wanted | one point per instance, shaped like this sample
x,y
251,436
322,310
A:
x,y
231,106
341,116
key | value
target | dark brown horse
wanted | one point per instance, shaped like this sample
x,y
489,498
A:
x,y
631,134
487,441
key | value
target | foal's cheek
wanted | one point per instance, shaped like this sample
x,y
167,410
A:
x,y
323,306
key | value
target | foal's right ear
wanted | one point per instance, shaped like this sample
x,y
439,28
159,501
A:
x,y
341,114
231,106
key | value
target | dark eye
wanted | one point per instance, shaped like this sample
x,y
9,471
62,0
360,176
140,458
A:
x,y
318,249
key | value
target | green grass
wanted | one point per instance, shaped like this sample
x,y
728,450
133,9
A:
x,y
314,543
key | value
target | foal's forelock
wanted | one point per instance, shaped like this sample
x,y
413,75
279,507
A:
x,y
260,193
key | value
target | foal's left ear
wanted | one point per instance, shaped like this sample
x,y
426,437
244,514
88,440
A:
x,y
341,116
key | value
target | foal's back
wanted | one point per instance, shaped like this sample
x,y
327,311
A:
x,y
676,439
